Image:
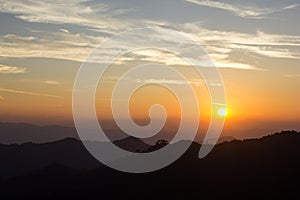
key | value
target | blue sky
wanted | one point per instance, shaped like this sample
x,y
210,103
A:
x,y
45,28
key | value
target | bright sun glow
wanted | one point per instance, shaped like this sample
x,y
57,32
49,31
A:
x,y
222,112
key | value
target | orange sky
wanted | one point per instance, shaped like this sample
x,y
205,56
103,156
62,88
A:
x,y
257,54
255,100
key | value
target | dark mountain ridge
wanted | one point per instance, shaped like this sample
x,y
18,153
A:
x,y
23,158
258,168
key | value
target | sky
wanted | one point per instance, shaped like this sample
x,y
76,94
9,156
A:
x,y
254,44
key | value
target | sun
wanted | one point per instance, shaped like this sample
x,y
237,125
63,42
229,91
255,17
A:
x,y
222,112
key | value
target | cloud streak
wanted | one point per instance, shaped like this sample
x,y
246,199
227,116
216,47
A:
x,y
4,69
59,45
50,82
220,45
79,12
292,75
198,82
241,11
64,30
29,93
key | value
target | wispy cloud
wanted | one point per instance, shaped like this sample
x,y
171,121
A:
x,y
292,75
30,93
227,64
291,6
64,30
197,82
241,11
64,44
4,69
220,44
59,45
49,82
79,12
169,81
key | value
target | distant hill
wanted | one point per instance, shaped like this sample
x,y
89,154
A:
x,y
18,133
19,159
23,158
221,139
132,144
258,168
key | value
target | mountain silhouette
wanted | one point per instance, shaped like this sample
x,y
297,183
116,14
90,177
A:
x,y
18,159
221,140
23,158
258,168
18,133
132,144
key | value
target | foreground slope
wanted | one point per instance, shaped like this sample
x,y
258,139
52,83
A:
x,y
261,168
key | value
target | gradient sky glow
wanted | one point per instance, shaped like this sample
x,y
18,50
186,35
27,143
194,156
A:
x,y
255,44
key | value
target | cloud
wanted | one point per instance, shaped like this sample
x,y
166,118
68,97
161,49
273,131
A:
x,y
64,30
292,75
4,69
196,82
1,98
241,11
221,43
268,51
170,81
291,6
76,47
79,12
59,45
49,82
234,65
29,93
